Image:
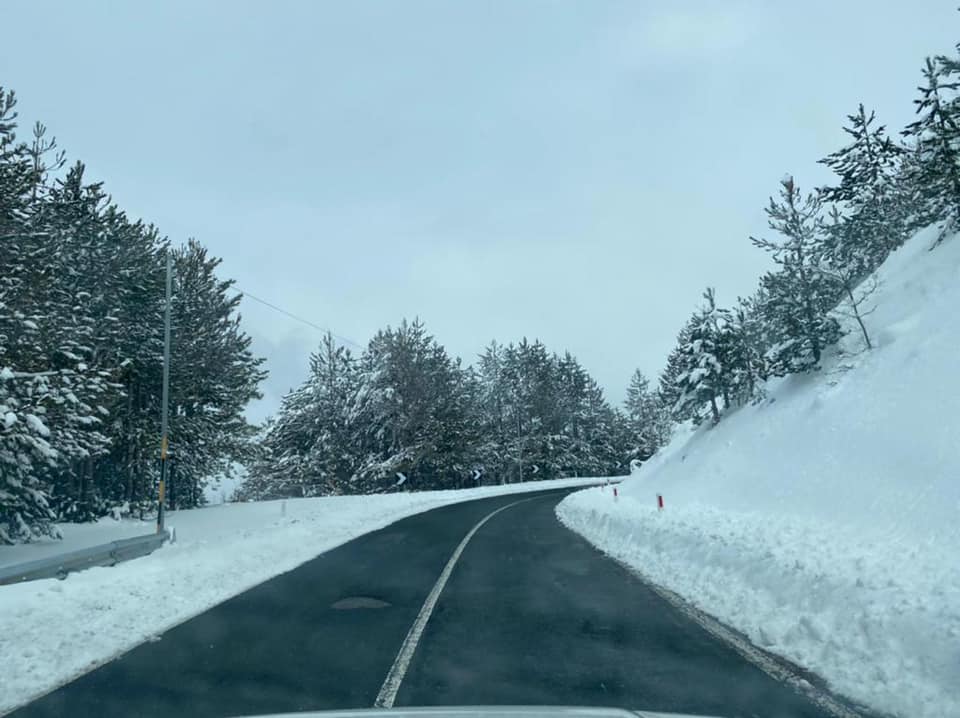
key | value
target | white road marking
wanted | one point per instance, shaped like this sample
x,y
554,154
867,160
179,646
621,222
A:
x,y
391,685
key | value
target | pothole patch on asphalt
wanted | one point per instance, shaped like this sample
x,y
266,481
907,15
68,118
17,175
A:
x,y
351,603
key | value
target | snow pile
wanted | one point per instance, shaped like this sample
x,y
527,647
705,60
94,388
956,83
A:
x,y
824,523
55,630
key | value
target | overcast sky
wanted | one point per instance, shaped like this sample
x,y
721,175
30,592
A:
x,y
572,171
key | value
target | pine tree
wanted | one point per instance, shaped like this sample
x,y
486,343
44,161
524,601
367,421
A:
x,y
936,134
492,409
847,273
309,449
602,436
86,283
667,391
797,298
334,387
867,169
530,376
909,192
468,435
131,344
49,394
213,377
649,425
745,352
575,443
702,380
282,469
408,412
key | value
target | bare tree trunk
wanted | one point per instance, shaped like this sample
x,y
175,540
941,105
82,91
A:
x,y
856,314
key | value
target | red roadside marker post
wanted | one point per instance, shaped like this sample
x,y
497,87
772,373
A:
x,y
659,502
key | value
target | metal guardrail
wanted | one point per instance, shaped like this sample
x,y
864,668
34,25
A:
x,y
106,554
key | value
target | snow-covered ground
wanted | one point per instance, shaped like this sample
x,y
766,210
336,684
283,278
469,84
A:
x,y
51,631
824,523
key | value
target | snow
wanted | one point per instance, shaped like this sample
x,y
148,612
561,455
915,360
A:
x,y
36,425
75,537
823,522
54,630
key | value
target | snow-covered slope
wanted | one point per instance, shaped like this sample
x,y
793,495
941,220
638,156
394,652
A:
x,y
51,631
825,522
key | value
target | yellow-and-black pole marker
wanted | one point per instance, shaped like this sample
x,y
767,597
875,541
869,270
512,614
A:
x,y
165,400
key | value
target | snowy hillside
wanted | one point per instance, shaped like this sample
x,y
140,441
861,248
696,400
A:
x,y
220,552
825,522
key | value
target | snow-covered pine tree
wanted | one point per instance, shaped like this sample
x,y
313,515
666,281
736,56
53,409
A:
x,y
602,434
648,423
572,422
621,440
702,381
544,417
332,459
48,392
87,282
130,300
529,377
667,390
797,298
848,272
408,413
281,468
491,415
867,169
467,436
909,194
213,377
745,352
936,135
723,358
309,448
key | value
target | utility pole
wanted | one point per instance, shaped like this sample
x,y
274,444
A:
x,y
519,446
165,401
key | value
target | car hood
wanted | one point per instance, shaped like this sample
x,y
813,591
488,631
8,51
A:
x,y
487,712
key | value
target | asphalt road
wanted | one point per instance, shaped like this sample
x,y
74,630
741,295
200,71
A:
x,y
532,614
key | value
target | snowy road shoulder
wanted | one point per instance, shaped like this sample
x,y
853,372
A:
x,y
878,619
55,630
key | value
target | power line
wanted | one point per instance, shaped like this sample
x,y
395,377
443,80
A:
x,y
325,330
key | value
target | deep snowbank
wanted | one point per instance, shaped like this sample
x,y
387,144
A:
x,y
825,522
51,631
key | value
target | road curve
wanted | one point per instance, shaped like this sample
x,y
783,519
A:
x,y
529,613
